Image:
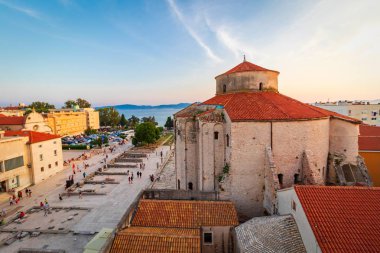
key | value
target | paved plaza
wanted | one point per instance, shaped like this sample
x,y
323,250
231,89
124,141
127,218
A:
x,y
101,204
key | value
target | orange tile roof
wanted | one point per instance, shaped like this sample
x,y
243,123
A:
x,y
2,115
12,120
369,138
158,240
185,213
33,136
343,218
246,66
268,105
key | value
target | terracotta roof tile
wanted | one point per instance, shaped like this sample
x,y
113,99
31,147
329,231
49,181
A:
x,y
185,213
246,66
268,105
2,115
343,218
369,138
158,240
33,136
12,120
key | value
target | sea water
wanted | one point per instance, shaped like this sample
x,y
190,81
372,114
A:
x,y
160,115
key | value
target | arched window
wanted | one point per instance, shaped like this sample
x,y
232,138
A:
x,y
216,135
179,184
296,178
228,140
261,86
190,186
280,178
224,88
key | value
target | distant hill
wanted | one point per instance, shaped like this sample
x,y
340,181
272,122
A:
x,y
140,107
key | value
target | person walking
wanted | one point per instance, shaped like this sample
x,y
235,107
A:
x,y
60,197
46,209
80,194
30,193
27,192
84,174
10,201
19,194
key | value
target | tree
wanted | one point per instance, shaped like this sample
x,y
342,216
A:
x,y
41,106
150,119
133,122
82,103
123,121
169,123
70,104
109,116
146,133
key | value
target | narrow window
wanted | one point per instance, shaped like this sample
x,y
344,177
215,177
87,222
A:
x,y
190,186
40,146
56,163
55,152
207,238
41,157
280,178
228,140
216,135
294,205
296,178
224,88
261,86
49,166
179,184
42,169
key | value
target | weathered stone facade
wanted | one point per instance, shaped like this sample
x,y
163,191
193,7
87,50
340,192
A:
x,y
247,146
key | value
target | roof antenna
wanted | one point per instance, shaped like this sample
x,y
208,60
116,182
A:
x,y
243,57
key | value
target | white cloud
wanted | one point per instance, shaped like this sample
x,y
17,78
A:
x,y
27,11
192,33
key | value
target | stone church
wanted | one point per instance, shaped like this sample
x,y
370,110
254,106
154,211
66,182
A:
x,y
249,140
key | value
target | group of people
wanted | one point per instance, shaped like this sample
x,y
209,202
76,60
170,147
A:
x,y
45,206
15,200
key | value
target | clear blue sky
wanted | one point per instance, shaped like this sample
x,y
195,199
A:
x,y
154,52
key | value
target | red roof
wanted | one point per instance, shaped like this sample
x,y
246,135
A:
x,y
2,115
369,138
33,136
12,120
269,105
246,66
343,218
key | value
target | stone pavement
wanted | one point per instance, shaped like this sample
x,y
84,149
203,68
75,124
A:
x,y
106,210
167,176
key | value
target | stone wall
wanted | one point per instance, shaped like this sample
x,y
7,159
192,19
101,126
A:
x,y
243,81
344,139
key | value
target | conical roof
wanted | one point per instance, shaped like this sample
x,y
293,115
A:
x,y
246,66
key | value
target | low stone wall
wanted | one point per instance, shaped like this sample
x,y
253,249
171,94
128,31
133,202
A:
x,y
179,195
117,165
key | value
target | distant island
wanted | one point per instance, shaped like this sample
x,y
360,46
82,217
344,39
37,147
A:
x,y
144,107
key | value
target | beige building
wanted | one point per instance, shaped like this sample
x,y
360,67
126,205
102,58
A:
x,y
14,172
367,112
34,121
249,141
72,122
42,154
